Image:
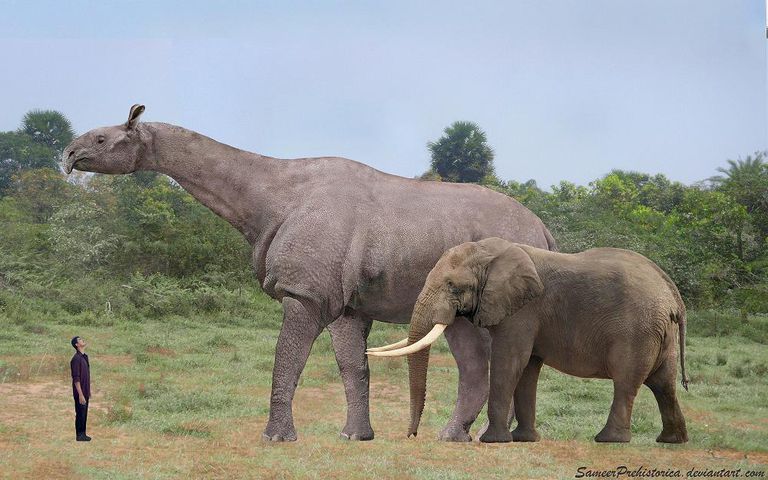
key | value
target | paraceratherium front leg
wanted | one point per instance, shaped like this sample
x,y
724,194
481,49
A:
x,y
299,331
348,335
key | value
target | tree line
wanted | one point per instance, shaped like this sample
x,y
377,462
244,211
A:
x,y
142,233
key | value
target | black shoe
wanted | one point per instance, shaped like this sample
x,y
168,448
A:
x,y
83,438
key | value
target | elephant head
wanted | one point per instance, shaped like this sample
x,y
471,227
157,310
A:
x,y
485,281
117,149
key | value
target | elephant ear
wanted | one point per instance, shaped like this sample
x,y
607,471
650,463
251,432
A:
x,y
511,282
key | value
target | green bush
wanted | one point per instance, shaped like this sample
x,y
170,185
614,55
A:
x,y
751,299
721,323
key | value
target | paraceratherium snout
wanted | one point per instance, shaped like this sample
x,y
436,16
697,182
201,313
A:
x,y
70,158
399,349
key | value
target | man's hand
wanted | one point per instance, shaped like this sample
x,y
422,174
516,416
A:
x,y
82,399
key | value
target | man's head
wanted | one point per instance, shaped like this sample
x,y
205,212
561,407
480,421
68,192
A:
x,y
78,343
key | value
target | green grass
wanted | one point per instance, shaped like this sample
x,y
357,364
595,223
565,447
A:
x,y
188,396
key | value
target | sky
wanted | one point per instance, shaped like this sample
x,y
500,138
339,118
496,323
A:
x,y
565,90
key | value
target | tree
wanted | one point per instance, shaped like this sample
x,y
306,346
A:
x,y
746,181
431,176
78,238
38,143
19,152
39,192
462,154
49,128
616,189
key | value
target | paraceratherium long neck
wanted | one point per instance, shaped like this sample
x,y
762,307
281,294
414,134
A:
x,y
242,187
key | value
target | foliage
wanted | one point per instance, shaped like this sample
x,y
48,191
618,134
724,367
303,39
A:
x,y
462,154
78,238
19,152
39,192
707,238
38,143
746,181
156,250
49,128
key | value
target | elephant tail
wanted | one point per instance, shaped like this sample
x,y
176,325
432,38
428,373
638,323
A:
x,y
679,317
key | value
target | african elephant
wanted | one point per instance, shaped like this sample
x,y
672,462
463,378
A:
x,y
602,313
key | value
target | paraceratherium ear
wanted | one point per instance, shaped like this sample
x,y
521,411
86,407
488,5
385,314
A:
x,y
133,116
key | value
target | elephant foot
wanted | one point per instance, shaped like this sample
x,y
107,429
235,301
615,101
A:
x,y
523,435
484,428
274,433
496,435
454,433
357,434
673,437
613,435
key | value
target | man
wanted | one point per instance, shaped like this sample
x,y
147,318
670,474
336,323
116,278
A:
x,y
81,387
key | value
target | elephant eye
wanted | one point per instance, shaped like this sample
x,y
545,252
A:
x,y
100,139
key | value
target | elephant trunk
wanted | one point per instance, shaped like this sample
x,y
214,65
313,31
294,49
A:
x,y
424,317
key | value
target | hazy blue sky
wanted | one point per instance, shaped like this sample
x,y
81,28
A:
x,y
564,89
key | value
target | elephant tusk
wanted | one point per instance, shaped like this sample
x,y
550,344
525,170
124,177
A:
x,y
391,346
426,341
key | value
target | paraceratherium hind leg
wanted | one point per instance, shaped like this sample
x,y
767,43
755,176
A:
x,y
349,335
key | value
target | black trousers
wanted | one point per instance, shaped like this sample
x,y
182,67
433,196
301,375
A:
x,y
81,417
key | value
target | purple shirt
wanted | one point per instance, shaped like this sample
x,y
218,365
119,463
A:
x,y
81,372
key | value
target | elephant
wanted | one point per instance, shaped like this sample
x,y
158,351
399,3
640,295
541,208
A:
x,y
337,242
602,313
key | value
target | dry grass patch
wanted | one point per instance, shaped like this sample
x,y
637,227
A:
x,y
190,410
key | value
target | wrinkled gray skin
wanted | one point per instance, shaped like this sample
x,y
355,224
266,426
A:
x,y
602,313
337,242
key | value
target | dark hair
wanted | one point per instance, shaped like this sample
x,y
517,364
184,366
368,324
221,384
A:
x,y
74,342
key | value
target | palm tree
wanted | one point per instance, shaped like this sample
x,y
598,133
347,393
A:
x,y
462,154
747,182
49,128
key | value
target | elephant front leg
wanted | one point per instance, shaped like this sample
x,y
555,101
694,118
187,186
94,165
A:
x,y
525,403
299,331
510,353
349,335
471,348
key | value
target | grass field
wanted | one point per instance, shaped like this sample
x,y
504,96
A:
x,y
189,397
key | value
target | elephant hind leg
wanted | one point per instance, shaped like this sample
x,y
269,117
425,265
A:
x,y
617,428
628,364
662,384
